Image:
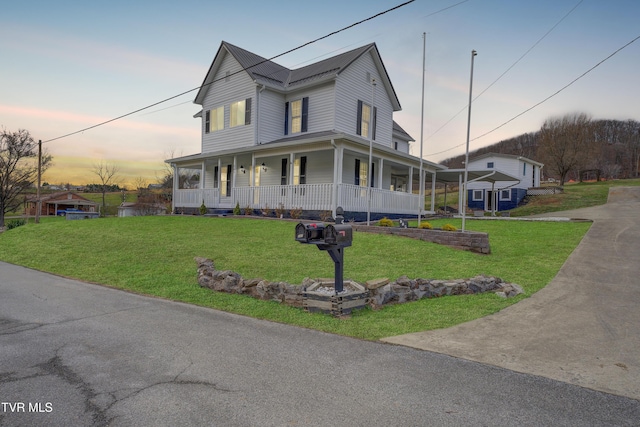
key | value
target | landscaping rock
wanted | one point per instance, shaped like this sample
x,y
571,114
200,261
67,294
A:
x,y
381,291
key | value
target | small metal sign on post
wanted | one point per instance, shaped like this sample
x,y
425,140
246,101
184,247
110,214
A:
x,y
332,238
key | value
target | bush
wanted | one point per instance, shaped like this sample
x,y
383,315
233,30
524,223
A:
x,y
385,222
15,223
295,213
203,208
326,216
425,225
449,227
280,211
248,211
266,211
236,210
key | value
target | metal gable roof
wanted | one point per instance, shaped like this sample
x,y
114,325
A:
x,y
265,71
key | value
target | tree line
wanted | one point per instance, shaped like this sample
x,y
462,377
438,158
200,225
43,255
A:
x,y
572,145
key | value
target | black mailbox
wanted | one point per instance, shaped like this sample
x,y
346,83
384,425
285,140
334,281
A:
x,y
310,233
338,234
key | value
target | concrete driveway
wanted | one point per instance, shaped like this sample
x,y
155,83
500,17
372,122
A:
x,y
584,327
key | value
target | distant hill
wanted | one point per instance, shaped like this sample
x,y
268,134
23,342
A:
x,y
615,146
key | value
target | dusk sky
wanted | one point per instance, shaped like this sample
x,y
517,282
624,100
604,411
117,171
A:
x,y
68,65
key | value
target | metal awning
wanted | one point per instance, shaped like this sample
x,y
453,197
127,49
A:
x,y
489,175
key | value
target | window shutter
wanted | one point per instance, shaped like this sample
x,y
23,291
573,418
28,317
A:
x,y
359,119
207,120
283,173
247,112
305,113
356,181
373,173
303,170
286,118
373,125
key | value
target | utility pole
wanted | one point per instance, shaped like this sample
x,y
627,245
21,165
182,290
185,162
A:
x,y
38,202
466,157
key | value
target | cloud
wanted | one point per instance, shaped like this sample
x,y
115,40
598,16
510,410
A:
x,y
102,56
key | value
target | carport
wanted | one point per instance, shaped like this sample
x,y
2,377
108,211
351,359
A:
x,y
456,176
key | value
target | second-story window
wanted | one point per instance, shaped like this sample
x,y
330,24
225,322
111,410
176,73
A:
x,y
214,120
240,113
366,122
297,113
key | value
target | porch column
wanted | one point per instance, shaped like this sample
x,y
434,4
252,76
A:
x,y
218,179
410,183
433,192
203,170
176,184
460,195
336,178
292,158
380,166
234,176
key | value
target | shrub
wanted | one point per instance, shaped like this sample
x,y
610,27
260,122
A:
x,y
385,222
266,211
203,208
280,211
295,213
449,227
236,210
326,216
425,225
248,211
16,223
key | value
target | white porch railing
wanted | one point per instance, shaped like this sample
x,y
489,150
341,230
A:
x,y
355,198
194,198
308,197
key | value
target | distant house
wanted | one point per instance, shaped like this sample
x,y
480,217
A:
x,y
58,203
502,195
300,139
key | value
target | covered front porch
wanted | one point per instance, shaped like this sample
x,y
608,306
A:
x,y
308,197
312,178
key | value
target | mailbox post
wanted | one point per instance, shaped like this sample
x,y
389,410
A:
x,y
332,238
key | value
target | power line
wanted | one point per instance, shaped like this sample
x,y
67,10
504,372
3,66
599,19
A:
x,y
507,70
546,99
244,69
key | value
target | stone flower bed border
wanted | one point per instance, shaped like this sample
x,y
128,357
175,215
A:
x,y
381,291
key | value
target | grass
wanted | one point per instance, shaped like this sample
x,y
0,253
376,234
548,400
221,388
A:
x,y
154,256
575,196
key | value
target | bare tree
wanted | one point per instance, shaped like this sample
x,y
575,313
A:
x,y
107,174
565,144
18,168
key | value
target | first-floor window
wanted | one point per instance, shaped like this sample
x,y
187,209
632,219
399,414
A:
x,y
505,194
225,181
360,173
300,170
477,195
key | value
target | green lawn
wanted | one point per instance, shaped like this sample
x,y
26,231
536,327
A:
x,y
154,256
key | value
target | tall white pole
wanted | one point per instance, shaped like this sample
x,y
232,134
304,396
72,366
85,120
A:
x,y
466,157
421,205
369,171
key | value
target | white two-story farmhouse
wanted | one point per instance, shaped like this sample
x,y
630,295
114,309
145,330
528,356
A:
x,y
300,139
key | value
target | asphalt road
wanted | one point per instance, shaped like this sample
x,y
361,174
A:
x,y
77,354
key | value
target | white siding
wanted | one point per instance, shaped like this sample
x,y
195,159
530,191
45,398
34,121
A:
x,y
271,116
223,93
511,166
403,146
352,85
